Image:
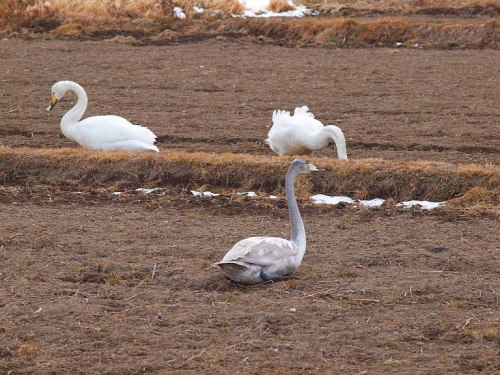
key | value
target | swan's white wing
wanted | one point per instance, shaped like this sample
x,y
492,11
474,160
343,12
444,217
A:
x,y
100,132
132,146
276,254
288,134
254,257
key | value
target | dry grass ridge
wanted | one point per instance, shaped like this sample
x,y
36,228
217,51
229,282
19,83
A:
x,y
80,169
341,23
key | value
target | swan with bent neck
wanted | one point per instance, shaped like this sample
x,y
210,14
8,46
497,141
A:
x,y
99,132
302,134
258,259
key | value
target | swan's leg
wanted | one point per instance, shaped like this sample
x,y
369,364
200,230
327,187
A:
x,y
266,277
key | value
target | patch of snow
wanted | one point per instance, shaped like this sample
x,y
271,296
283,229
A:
x,y
372,202
148,191
179,13
205,194
248,194
258,9
325,199
426,205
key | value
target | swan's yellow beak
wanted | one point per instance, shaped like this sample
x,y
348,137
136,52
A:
x,y
53,102
313,168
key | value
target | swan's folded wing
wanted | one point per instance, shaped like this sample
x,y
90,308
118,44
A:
x,y
263,251
111,128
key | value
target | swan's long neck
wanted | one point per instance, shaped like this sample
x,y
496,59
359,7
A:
x,y
339,139
334,132
297,226
320,140
74,114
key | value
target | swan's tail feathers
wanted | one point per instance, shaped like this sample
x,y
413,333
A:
x,y
242,273
279,114
303,111
232,267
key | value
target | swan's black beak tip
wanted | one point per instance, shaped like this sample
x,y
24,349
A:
x,y
53,102
313,168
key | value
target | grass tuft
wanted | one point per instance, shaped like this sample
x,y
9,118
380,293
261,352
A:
x,y
280,6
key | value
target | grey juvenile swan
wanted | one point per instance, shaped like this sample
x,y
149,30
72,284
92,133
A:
x,y
258,259
302,133
99,132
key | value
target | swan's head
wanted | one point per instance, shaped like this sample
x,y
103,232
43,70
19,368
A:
x,y
59,89
301,166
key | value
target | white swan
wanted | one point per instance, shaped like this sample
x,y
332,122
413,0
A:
x,y
99,132
302,133
258,259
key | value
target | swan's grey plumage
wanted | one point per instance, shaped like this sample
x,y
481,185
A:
x,y
302,133
258,259
99,132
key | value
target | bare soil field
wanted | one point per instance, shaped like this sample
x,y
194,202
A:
x,y
97,283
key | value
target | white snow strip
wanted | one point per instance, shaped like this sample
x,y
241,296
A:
x,y
117,193
148,191
372,203
198,10
248,194
205,194
258,9
426,205
299,11
325,199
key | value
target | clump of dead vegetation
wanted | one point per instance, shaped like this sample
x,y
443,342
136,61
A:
x,y
77,169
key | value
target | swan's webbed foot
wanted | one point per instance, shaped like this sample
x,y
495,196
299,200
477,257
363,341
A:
x,y
266,277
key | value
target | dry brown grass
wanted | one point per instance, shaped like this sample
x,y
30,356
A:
x,y
79,169
150,18
29,351
280,6
386,31
227,6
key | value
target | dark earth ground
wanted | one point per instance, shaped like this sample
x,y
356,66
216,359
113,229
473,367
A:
x,y
118,284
